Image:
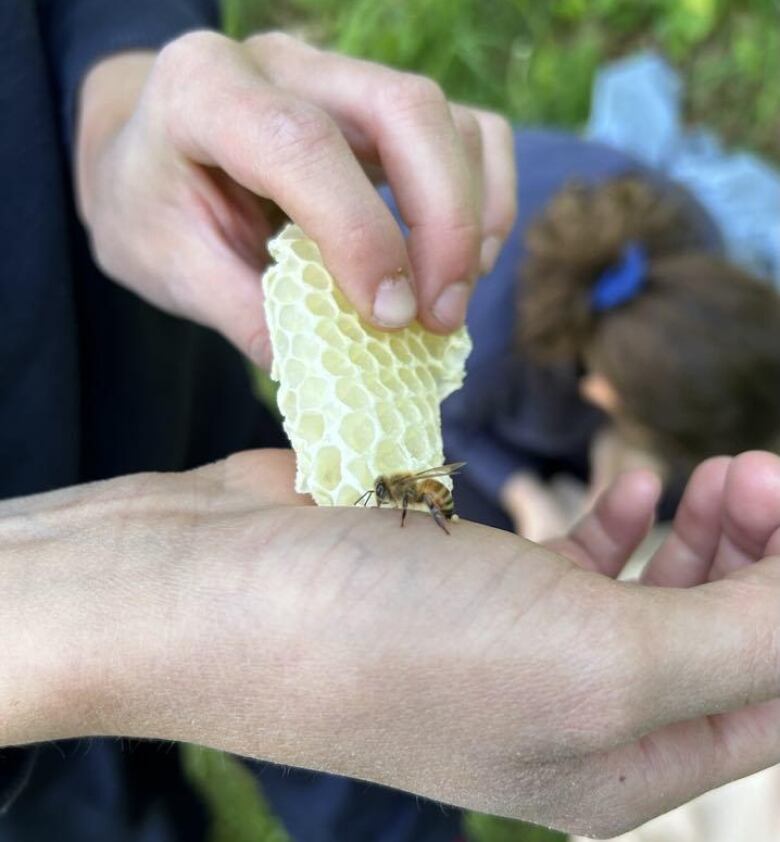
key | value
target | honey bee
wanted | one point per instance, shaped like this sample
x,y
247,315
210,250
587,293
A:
x,y
406,489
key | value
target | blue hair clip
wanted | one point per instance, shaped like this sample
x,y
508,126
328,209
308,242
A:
x,y
621,282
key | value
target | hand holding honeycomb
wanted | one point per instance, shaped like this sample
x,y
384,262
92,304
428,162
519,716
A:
x,y
356,402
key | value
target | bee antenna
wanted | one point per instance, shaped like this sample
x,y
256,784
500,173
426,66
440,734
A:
x,y
364,497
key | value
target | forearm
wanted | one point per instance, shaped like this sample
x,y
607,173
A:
x,y
113,606
475,668
176,607
159,606
69,602
42,587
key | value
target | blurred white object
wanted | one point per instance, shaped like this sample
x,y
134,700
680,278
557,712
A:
x,y
636,107
743,811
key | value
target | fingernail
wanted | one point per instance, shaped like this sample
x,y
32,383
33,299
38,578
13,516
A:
x,y
491,246
395,304
450,306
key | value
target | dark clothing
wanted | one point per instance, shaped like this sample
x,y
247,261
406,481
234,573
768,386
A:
x,y
513,414
327,808
95,383
68,335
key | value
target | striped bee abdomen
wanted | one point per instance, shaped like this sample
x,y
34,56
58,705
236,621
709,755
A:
x,y
437,496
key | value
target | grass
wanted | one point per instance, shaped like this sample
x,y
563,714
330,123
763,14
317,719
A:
x,y
535,62
240,813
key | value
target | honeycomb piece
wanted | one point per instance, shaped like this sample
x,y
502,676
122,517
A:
x,y
356,402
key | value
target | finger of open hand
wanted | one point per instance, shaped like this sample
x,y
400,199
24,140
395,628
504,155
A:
x,y
605,537
751,513
686,555
729,517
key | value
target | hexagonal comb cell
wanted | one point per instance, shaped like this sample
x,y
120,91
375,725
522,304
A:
x,y
356,402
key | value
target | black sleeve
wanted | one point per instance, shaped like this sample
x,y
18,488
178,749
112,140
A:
x,y
16,764
79,33
76,34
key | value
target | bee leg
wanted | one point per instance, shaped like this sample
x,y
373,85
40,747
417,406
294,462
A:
x,y
436,513
404,509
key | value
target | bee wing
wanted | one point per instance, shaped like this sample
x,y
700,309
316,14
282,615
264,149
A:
x,y
443,471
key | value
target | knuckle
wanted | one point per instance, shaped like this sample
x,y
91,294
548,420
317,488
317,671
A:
x,y
365,237
296,129
412,92
271,41
465,229
188,51
367,240
181,68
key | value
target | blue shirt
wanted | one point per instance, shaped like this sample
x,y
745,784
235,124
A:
x,y
513,414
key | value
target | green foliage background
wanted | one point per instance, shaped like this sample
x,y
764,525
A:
x,y
534,61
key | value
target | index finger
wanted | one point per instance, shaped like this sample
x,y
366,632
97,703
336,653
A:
x,y
219,111
405,122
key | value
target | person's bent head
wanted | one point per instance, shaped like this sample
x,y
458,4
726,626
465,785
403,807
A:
x,y
679,346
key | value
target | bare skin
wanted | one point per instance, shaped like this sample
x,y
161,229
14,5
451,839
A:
x,y
532,504
477,669
541,509
181,155
216,607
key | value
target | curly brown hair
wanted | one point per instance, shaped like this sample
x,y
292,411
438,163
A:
x,y
694,356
